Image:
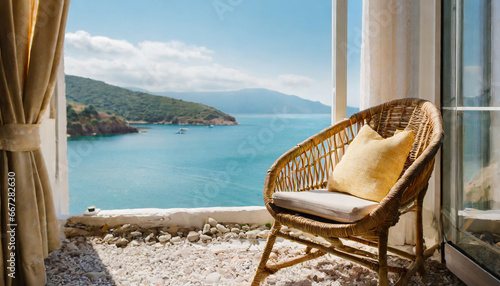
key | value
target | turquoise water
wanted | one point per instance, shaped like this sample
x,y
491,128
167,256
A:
x,y
206,167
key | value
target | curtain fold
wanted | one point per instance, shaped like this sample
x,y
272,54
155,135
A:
x,y
389,51
395,40
31,44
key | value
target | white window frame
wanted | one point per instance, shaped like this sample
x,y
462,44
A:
x,y
339,60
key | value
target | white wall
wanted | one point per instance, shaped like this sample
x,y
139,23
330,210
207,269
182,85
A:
x,y
54,146
430,89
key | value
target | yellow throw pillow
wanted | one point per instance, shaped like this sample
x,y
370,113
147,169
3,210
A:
x,y
371,164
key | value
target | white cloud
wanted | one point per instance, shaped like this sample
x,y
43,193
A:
x,y
81,44
164,66
295,80
174,50
84,45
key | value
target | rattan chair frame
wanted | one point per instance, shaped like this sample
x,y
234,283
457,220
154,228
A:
x,y
308,166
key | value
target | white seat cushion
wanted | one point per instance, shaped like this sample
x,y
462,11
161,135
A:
x,y
331,205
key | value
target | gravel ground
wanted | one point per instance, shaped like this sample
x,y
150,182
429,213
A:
x,y
96,260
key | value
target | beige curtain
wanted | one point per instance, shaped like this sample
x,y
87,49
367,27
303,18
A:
x,y
389,51
31,44
398,60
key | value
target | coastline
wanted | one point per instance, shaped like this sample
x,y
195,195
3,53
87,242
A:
x,y
189,122
140,129
107,134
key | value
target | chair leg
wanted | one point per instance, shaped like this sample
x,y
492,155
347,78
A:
x,y
383,279
262,272
419,232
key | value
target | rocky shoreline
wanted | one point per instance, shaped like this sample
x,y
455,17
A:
x,y
87,121
217,254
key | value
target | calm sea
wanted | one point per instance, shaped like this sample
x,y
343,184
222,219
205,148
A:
x,y
205,167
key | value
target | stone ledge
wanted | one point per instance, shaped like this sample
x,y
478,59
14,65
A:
x,y
184,217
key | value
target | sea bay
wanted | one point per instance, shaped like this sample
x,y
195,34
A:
x,y
205,167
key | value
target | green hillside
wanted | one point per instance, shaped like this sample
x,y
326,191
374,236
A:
x,y
140,106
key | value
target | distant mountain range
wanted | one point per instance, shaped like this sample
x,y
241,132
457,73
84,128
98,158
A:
x,y
140,106
254,100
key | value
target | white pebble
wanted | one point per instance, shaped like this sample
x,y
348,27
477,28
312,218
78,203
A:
x,y
121,242
252,234
264,233
213,278
193,236
134,243
222,228
108,238
149,237
175,239
230,235
205,237
164,238
212,221
135,233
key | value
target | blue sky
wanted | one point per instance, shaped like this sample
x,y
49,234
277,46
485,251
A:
x,y
193,45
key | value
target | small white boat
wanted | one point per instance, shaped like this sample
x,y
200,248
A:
x,y
182,130
210,126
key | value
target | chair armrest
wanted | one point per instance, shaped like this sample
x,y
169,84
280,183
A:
x,y
308,165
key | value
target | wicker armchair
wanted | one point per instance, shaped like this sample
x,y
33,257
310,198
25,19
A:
x,y
308,166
